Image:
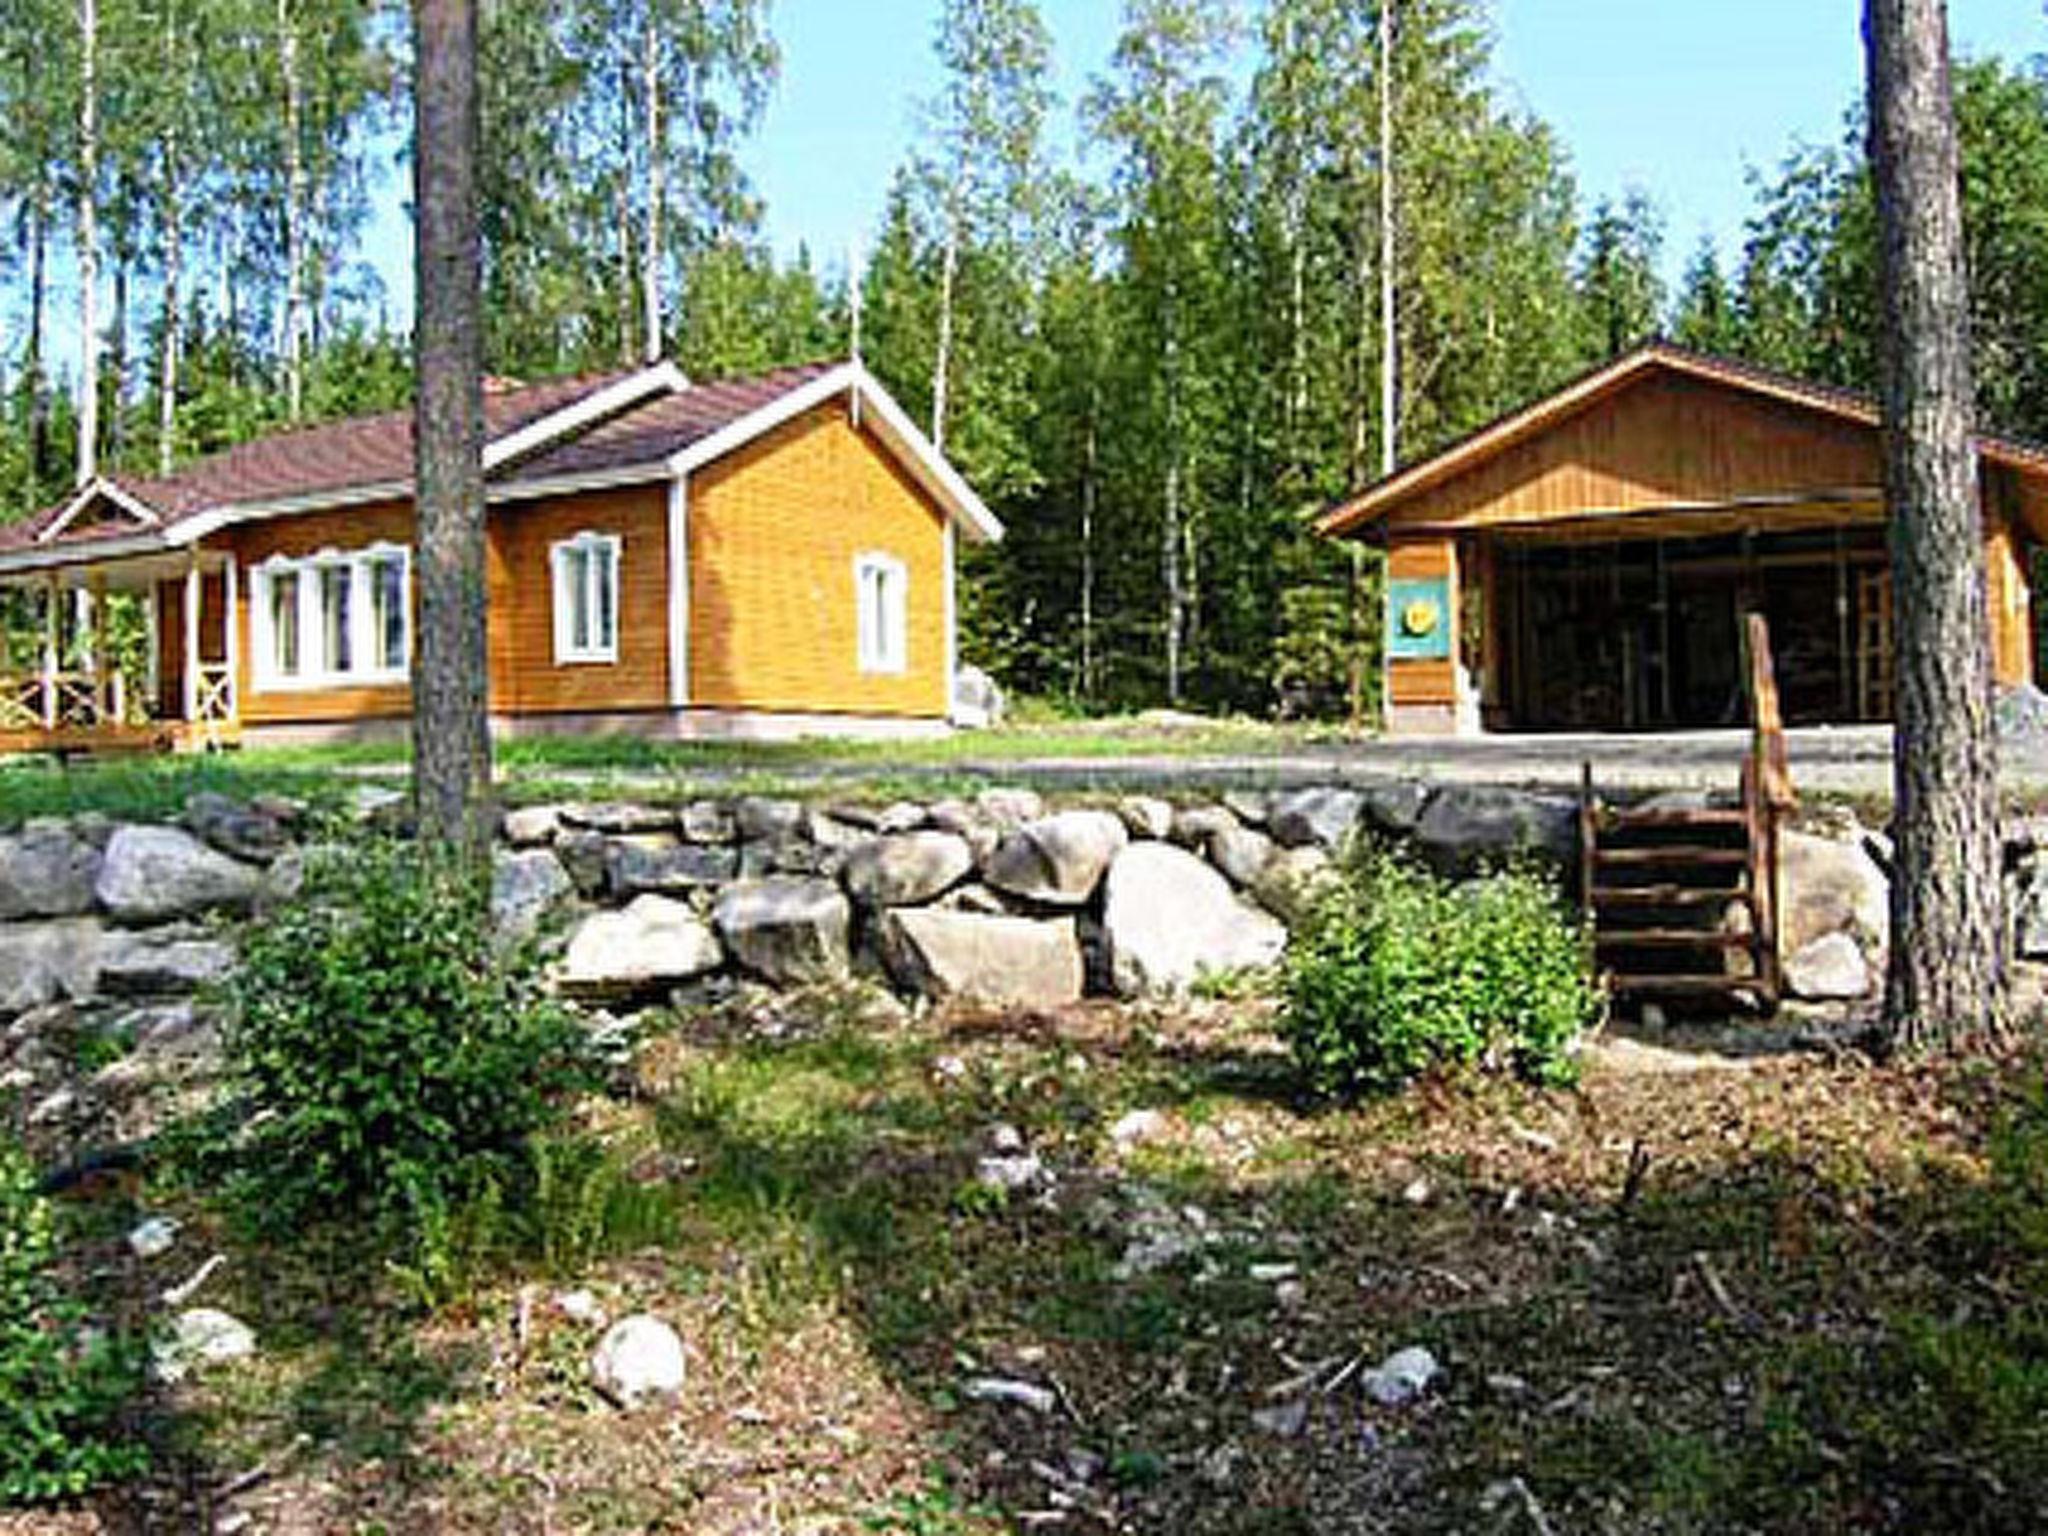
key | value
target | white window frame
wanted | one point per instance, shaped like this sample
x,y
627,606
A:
x,y
365,641
882,640
611,548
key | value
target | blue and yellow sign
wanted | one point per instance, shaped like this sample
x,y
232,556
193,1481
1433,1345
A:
x,y
1419,619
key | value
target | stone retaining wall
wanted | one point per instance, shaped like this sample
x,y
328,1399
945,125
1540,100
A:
x,y
108,931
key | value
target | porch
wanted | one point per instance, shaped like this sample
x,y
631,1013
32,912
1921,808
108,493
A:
x,y
132,655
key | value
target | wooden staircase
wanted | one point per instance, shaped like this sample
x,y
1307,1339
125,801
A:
x,y
1683,901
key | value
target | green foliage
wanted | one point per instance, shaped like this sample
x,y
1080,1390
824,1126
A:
x,y
1397,972
395,1063
61,1385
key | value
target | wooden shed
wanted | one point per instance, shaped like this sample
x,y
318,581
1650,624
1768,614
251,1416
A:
x,y
1588,562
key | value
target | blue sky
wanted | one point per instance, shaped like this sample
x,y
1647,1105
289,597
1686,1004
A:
x,y
1678,97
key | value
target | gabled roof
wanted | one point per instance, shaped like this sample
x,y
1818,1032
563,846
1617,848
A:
x,y
1609,379
627,427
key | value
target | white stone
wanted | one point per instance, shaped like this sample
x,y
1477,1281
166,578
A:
x,y
1830,886
153,1238
201,1336
906,869
1829,969
1146,815
655,942
1169,919
786,930
1137,1127
1402,1377
638,1359
528,888
532,825
1001,1389
580,1306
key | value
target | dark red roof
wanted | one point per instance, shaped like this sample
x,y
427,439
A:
x,y
362,453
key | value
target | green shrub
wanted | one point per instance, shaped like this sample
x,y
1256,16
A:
x,y
61,1385
394,1062
1395,971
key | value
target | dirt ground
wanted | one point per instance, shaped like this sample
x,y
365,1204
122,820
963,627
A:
x,y
1104,1271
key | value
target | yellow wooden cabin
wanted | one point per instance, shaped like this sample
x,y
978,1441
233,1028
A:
x,y
1588,562
770,556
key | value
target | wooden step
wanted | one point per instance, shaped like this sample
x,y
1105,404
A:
x,y
1667,896
1630,821
1688,986
1672,854
1670,938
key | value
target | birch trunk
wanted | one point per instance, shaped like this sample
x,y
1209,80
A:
x,y
942,363
1389,343
651,345
1947,980
451,732
88,242
38,319
173,308
294,212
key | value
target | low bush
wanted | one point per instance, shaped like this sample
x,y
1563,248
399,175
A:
x,y
395,1064
1395,971
62,1384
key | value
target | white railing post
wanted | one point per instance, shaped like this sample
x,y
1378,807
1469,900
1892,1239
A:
x,y
50,620
232,643
191,616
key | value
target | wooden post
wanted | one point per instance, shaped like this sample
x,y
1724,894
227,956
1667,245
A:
x,y
153,662
103,705
193,586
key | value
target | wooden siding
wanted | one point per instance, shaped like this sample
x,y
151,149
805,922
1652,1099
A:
x,y
1413,682
2006,593
774,531
295,537
1664,441
525,679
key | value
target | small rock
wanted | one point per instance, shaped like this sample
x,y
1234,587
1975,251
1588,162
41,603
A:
x,y
709,821
201,1336
1012,1173
1146,816
1402,1377
1831,968
1010,808
1249,806
1058,860
580,1306
527,889
653,944
1137,1128
639,1358
1283,1420
153,1238
1002,1389
1006,1138
1321,817
763,820
620,819
234,829
906,869
1241,854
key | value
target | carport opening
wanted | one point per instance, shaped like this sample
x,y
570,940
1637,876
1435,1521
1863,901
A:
x,y
1646,634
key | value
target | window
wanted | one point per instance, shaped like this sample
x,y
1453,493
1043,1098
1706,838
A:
x,y
586,583
880,584
332,619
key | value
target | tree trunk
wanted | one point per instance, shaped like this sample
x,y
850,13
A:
x,y
88,242
1389,343
173,308
38,319
942,363
1948,950
451,735
294,212
656,193
1090,454
1169,532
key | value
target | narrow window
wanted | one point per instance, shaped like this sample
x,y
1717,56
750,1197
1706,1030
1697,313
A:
x,y
881,586
337,638
389,619
284,623
586,598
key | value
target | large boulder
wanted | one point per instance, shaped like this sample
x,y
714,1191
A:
x,y
238,830
1829,885
906,870
634,868
654,944
152,874
977,700
1024,961
46,870
786,930
1058,860
1314,818
527,889
161,961
49,962
1468,825
1168,918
